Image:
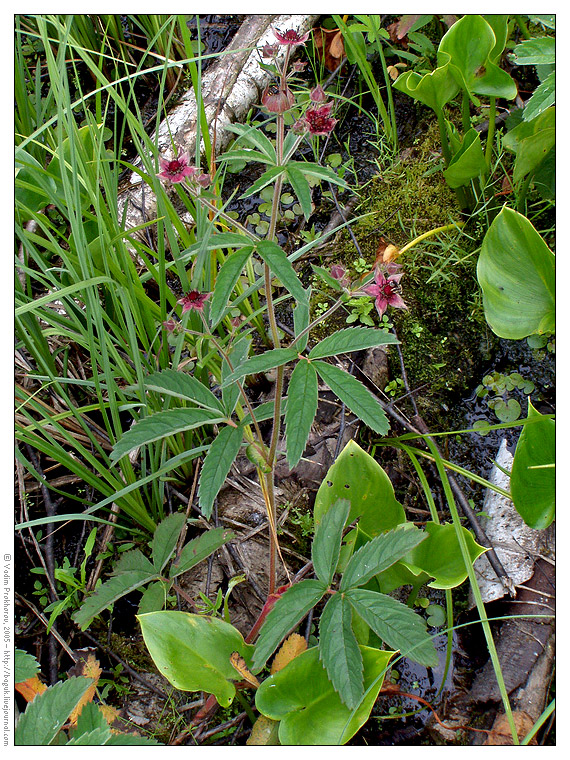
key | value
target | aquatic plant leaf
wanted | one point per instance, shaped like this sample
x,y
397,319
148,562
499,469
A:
x,y
433,90
199,548
165,538
339,652
289,609
357,398
470,47
276,259
46,715
310,711
440,555
467,163
217,464
379,554
261,363
161,425
351,339
25,666
516,274
225,282
325,550
356,476
395,623
109,592
183,386
301,409
265,733
193,651
533,482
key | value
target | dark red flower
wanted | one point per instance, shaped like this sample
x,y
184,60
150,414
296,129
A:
x,y
276,99
177,169
318,120
290,37
386,291
268,51
193,300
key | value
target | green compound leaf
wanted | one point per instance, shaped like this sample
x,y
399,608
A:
x,y
161,425
542,98
276,259
301,320
193,651
266,179
302,401
357,398
25,666
356,476
217,464
181,385
304,700
256,138
287,612
153,597
326,544
262,363
351,339
237,354
379,554
199,548
109,592
533,480
225,282
339,651
537,51
48,712
516,274
394,623
165,538
302,190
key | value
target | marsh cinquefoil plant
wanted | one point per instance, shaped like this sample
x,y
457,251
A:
x,y
231,410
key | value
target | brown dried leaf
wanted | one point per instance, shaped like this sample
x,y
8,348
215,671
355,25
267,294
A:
x,y
501,732
238,663
329,46
391,253
291,647
30,688
88,668
264,732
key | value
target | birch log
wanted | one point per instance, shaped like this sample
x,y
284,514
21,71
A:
x,y
229,87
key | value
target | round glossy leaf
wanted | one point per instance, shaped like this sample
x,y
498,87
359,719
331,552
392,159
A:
x,y
532,477
440,555
467,163
193,651
433,90
516,274
304,700
356,476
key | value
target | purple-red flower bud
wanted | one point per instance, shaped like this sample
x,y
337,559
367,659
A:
x,y
318,95
276,99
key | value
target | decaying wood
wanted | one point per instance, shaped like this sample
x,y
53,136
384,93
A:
x,y
229,87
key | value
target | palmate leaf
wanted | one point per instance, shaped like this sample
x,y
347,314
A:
x,y
226,281
262,363
266,179
48,712
339,652
321,172
358,399
161,425
199,548
394,623
301,320
181,385
351,339
109,592
133,560
165,538
217,464
264,411
301,409
302,190
287,612
237,355
379,554
326,543
256,138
